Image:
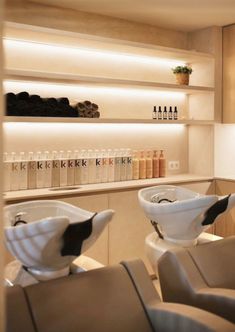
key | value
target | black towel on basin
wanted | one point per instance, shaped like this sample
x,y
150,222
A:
x,y
74,236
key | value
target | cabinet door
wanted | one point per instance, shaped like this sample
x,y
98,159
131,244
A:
x,y
129,228
96,203
225,226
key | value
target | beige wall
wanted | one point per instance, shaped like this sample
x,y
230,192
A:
x,y
1,235
22,11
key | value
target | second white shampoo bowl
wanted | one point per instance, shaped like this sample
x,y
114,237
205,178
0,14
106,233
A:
x,y
179,211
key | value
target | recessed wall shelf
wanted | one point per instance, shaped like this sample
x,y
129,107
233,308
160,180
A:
x,y
100,120
16,74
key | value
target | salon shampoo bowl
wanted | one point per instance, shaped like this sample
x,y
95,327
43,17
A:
x,y
182,214
46,235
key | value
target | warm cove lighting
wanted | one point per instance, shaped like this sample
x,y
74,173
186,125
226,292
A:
x,y
69,51
31,130
78,91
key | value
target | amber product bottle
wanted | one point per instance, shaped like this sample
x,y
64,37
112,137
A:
x,y
162,165
170,114
154,115
165,113
175,113
149,165
135,166
155,164
159,114
142,165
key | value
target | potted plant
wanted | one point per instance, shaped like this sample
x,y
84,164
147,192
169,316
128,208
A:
x,y
182,74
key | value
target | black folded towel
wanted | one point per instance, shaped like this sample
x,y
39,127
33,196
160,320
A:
x,y
22,96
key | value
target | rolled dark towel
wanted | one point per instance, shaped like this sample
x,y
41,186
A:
x,y
35,99
88,113
50,101
80,107
63,100
94,107
88,104
10,98
96,114
22,96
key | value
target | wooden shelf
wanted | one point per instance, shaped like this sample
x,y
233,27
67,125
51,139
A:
x,y
102,187
32,75
11,119
119,46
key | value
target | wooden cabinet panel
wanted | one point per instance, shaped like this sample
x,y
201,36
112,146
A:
x,y
225,225
128,230
229,74
96,203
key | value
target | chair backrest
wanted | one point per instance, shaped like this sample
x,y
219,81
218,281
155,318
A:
x,y
216,262
120,298
99,300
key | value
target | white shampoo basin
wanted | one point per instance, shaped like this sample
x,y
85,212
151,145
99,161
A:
x,y
181,213
46,235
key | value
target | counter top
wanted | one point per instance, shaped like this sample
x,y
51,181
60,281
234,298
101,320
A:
x,y
101,187
225,178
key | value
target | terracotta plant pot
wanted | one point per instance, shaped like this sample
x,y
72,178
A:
x,y
182,78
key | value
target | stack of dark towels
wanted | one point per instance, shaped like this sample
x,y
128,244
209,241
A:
x,y
87,109
23,104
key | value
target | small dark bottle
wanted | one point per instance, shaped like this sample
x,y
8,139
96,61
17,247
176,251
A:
x,y
175,113
165,113
154,113
159,116
170,114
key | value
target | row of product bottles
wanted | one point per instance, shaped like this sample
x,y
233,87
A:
x,y
165,114
58,169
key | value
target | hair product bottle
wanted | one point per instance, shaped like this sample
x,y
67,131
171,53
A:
x,y
63,169
175,113
32,171
77,167
159,114
117,175
165,113
15,170
98,166
40,169
149,165
7,171
170,114
155,164
129,165
111,169
162,165
142,161
91,166
105,166
23,172
84,168
123,164
154,115
135,166
55,174
48,169
70,170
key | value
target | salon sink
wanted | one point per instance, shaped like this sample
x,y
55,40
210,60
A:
x,y
47,235
181,215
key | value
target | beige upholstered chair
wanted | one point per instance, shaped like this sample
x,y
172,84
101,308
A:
x,y
201,276
120,298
